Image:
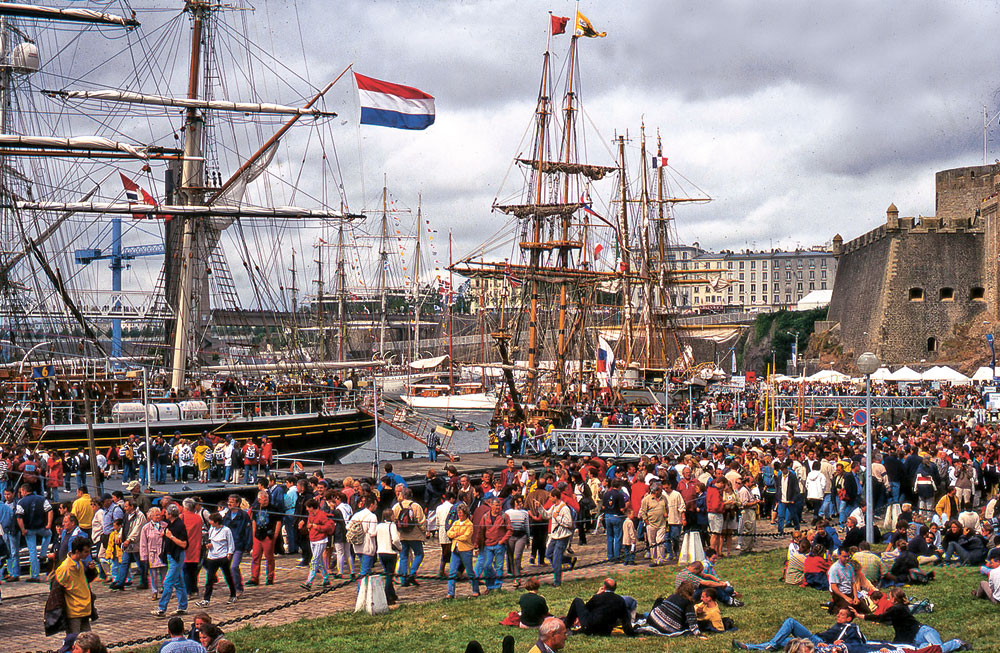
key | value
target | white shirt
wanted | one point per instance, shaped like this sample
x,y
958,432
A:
x,y
387,537
221,539
815,485
366,517
441,517
995,583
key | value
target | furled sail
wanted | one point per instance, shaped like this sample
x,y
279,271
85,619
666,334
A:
x,y
113,95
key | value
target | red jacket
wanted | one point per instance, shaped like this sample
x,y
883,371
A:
x,y
713,500
495,530
324,524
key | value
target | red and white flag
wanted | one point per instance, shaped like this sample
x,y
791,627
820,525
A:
x,y
137,195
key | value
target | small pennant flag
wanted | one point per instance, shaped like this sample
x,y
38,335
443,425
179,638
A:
x,y
598,250
585,28
559,24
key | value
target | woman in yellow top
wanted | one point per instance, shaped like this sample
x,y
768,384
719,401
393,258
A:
x,y
115,553
460,534
201,462
72,575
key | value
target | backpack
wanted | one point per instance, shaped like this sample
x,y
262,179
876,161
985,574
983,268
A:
x,y
356,534
251,452
406,519
452,517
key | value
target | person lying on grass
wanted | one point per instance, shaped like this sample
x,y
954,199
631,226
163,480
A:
x,y
843,631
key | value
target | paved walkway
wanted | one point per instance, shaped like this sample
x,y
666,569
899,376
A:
x,y
124,616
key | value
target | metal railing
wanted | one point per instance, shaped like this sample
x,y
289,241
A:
x,y
632,443
853,402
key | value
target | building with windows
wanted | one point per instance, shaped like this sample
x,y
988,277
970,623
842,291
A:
x,y
755,280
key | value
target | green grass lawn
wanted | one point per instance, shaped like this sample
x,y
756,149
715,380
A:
x,y
449,625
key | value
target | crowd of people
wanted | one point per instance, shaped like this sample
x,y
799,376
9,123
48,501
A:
x,y
935,479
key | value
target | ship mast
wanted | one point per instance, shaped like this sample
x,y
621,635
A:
x,y
542,117
646,317
625,257
190,192
383,269
341,297
565,245
415,351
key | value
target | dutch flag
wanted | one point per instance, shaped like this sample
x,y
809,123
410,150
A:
x,y
393,105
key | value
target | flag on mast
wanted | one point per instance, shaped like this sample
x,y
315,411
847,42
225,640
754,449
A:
x,y
605,364
559,24
393,105
585,28
134,194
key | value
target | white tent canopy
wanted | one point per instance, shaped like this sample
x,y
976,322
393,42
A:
x,y
881,374
944,374
904,374
828,376
983,374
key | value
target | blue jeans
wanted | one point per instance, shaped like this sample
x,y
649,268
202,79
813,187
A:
x,y
555,552
13,538
119,570
292,533
465,558
432,454
143,477
788,630
491,563
174,580
826,508
613,528
673,541
32,540
367,562
235,570
251,473
229,473
926,636
786,514
407,570
894,490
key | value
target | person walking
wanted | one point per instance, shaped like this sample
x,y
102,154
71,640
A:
x,y
653,513
34,519
264,522
238,522
494,532
150,548
320,527
613,505
462,546
411,522
387,544
72,577
175,542
219,556
560,532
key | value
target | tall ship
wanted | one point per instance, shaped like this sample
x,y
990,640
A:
x,y
584,298
165,153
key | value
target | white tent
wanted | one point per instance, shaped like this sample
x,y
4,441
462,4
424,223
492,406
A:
x,y
904,374
945,375
828,376
983,374
881,374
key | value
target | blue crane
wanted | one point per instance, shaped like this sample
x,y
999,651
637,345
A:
x,y
117,256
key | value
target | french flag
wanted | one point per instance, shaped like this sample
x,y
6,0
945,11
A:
x,y
393,105
605,364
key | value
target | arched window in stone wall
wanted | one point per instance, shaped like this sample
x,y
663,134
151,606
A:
x,y
947,294
977,294
932,344
916,294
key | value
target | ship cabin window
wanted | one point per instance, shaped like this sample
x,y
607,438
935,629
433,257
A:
x,y
947,294
932,344
977,294
916,294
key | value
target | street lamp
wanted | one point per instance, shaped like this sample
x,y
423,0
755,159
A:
x,y
867,364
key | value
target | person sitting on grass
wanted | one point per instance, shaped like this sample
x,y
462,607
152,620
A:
x,y
674,615
842,576
922,545
906,567
815,569
534,609
843,631
177,642
990,589
724,590
909,631
601,613
968,548
710,619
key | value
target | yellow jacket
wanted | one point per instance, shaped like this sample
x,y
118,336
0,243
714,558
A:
x,y
83,510
71,576
460,534
943,508
114,546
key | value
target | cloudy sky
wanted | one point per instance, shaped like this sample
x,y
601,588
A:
x,y
800,120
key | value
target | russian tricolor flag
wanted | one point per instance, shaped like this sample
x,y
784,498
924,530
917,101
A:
x,y
393,105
